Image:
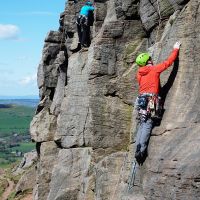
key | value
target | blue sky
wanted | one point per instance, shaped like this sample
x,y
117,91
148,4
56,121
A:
x,y
24,25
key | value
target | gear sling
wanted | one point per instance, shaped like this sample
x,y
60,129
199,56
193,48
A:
x,y
148,105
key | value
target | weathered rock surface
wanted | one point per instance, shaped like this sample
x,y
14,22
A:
x,y
27,181
72,170
21,179
85,124
28,160
48,153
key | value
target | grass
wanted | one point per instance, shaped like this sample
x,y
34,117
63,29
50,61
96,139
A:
x,y
5,165
6,158
15,119
8,175
1,191
24,147
12,196
3,185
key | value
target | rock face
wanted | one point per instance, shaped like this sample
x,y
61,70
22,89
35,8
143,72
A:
x,y
28,160
27,170
85,125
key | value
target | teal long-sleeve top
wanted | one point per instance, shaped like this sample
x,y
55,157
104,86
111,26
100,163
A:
x,y
86,9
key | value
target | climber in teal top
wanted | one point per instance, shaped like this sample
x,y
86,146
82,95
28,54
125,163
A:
x,y
84,21
86,9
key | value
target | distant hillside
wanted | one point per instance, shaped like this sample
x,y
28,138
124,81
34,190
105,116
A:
x,y
23,102
15,117
20,97
5,106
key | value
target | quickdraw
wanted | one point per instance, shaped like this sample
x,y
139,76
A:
x,y
131,180
149,106
154,105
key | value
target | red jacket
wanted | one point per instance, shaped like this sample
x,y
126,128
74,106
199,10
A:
x,y
149,76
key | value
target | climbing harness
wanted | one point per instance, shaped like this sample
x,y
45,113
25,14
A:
x,y
148,105
154,106
82,20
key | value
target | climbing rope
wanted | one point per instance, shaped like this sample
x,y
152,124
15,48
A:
x,y
132,176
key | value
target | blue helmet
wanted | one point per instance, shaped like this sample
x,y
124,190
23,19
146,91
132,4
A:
x,y
88,3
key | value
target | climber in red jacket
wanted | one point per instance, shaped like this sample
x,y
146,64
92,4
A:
x,y
148,77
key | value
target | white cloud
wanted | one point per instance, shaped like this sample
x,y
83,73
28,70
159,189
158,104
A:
x,y
32,79
9,31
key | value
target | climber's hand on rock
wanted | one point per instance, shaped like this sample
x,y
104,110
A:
x,y
177,45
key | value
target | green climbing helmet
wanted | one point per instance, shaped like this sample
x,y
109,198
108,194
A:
x,y
142,59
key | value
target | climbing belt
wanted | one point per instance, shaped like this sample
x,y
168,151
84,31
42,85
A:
x,y
154,107
148,105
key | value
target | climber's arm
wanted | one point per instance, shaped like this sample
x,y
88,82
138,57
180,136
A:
x,y
164,65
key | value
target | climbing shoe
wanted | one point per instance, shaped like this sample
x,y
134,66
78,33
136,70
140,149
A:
x,y
138,153
138,157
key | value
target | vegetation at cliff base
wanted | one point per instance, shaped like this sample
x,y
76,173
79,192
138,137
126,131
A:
x,y
14,132
15,119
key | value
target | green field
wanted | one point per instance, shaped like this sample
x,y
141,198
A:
x,y
14,133
9,156
24,147
15,119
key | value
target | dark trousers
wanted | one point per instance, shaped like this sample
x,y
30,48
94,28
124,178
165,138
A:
x,y
84,34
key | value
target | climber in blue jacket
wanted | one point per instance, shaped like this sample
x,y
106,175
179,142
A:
x,y
86,9
84,21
